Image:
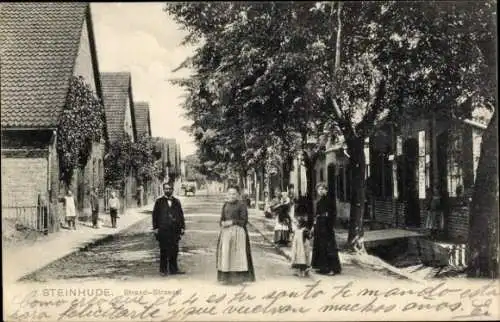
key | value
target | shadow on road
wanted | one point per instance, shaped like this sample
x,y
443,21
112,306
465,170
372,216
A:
x,y
127,256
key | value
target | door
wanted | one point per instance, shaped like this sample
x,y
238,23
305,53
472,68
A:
x,y
410,153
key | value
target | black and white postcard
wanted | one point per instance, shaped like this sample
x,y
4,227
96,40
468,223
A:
x,y
249,161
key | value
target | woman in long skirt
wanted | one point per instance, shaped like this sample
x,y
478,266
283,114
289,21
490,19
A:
x,y
325,255
234,258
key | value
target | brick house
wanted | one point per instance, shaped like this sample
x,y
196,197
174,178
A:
x,y
120,117
35,79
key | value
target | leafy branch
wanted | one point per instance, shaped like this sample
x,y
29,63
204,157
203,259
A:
x,y
80,124
125,156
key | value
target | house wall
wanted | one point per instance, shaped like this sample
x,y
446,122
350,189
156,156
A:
x,y
24,176
93,177
132,190
27,168
83,63
127,126
467,153
332,157
460,204
55,183
320,170
93,173
298,178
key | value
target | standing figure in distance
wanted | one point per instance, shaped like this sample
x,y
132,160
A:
x,y
168,226
282,227
140,195
114,205
94,204
234,257
325,255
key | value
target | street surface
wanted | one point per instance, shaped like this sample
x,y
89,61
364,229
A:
x,y
134,254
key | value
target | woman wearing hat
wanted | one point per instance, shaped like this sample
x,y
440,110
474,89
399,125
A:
x,y
325,255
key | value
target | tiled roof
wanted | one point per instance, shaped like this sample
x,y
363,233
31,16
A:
x,y
116,88
38,46
142,121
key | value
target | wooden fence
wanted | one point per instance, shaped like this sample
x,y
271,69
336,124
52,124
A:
x,y
40,217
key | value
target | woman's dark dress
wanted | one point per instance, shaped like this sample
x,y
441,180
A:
x,y
325,256
282,229
237,212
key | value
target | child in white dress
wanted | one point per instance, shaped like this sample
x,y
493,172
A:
x,y
301,249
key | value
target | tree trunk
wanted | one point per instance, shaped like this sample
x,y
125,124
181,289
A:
x,y
309,161
483,219
287,169
357,169
242,179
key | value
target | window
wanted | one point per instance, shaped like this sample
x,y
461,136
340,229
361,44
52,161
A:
x,y
454,164
321,175
343,184
380,181
387,176
428,151
422,170
367,151
340,184
399,191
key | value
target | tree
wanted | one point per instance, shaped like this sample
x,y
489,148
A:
x,y
118,162
143,159
255,89
193,166
294,70
456,50
80,124
483,222
483,239
393,62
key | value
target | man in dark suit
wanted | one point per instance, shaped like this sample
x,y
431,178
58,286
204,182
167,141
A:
x,y
168,226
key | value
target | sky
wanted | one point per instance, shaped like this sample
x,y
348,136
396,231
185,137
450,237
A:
x,y
144,40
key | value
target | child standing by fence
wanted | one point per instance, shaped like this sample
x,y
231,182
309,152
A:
x,y
301,250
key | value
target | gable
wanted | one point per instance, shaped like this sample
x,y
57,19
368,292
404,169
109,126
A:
x,y
127,125
83,63
118,105
39,44
142,121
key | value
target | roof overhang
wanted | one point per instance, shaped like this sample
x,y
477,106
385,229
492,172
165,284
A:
x,y
28,128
